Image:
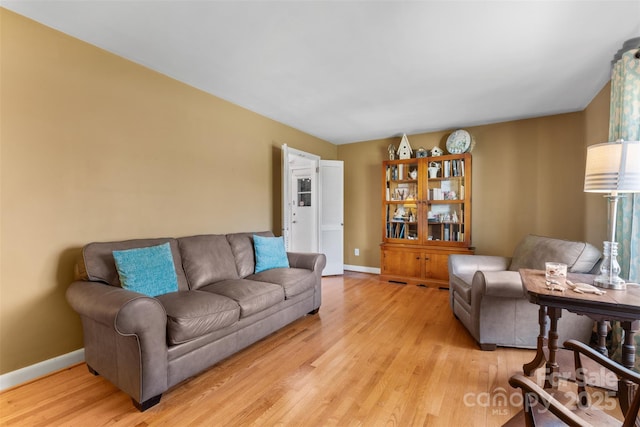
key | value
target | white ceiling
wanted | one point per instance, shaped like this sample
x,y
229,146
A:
x,y
348,71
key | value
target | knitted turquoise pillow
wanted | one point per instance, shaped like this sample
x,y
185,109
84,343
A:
x,y
270,253
149,271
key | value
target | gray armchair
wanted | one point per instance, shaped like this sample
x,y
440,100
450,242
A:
x,y
486,293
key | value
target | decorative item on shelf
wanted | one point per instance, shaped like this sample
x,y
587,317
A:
x,y
434,167
613,168
400,212
460,141
413,174
392,152
436,151
421,152
404,150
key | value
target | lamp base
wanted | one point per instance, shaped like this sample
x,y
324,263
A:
x,y
615,283
609,269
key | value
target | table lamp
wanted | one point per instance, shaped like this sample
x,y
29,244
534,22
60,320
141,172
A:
x,y
613,168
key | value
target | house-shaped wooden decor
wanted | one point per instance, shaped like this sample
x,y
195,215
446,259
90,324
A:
x,y
404,150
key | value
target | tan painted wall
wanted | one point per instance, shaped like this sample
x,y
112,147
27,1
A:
x,y
94,147
527,178
596,118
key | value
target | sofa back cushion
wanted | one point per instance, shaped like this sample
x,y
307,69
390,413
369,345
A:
x,y
207,259
97,264
242,248
533,251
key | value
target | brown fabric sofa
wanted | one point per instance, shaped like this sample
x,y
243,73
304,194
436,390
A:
x,y
145,345
487,296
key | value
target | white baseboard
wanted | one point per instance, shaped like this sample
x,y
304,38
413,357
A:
x,y
361,269
40,369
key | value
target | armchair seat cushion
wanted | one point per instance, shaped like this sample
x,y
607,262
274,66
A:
x,y
191,314
251,295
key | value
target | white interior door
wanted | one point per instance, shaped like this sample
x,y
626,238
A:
x,y
303,229
332,215
304,237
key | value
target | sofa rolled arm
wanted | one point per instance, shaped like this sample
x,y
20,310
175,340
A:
x,y
112,306
309,261
137,323
504,284
461,265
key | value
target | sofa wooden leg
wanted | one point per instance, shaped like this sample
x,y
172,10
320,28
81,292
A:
x,y
487,347
93,371
147,403
315,311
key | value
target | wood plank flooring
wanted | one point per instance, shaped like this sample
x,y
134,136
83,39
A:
x,y
377,354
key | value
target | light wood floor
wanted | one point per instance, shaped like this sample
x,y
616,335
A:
x,y
376,354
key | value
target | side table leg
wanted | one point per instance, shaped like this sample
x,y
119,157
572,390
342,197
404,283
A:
x,y
553,369
601,346
539,358
626,389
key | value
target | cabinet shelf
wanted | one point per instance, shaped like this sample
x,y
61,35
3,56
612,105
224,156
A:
x,y
417,251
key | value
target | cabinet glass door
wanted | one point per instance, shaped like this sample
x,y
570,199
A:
x,y
400,201
445,213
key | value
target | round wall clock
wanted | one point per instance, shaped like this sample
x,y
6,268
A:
x,y
460,141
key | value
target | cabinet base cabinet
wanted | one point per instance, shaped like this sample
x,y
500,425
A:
x,y
425,265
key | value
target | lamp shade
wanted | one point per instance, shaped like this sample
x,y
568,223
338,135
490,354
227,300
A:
x,y
613,167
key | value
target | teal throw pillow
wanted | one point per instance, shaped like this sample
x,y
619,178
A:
x,y
149,271
270,253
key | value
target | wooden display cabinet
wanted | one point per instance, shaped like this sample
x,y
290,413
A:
x,y
426,216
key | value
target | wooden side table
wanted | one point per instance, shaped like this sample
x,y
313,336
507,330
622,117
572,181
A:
x,y
621,305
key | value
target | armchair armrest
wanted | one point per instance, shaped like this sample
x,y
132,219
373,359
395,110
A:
x,y
309,261
544,401
460,265
531,390
621,371
506,284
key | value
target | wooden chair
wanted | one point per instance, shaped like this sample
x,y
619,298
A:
x,y
545,407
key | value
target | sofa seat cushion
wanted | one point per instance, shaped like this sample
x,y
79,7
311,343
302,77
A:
x,y
461,285
191,314
294,280
252,296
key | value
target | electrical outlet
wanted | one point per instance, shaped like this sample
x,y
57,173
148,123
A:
x,y
356,252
